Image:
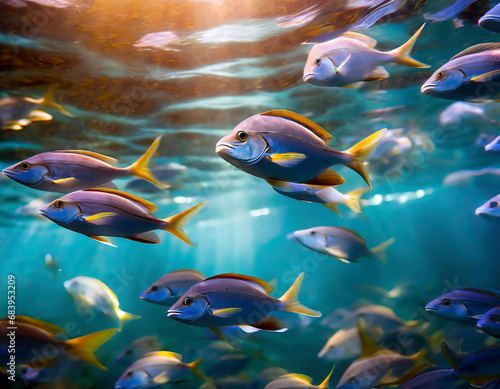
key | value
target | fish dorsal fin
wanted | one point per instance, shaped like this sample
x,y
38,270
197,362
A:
x,y
168,354
189,270
98,156
478,49
368,346
263,284
361,37
142,202
487,292
300,377
49,327
303,121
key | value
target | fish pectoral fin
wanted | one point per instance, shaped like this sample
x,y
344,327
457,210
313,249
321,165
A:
x,y
225,312
287,159
378,74
103,240
270,323
485,77
100,215
145,237
217,331
249,329
337,252
478,317
160,379
66,180
352,86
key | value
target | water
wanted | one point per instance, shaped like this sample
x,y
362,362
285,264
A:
x,y
191,71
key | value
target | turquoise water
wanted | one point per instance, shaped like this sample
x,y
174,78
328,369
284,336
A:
x,y
211,65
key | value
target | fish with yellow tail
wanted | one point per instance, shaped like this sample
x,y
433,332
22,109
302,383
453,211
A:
x,y
293,380
237,300
283,145
326,195
66,171
351,59
100,213
91,293
34,337
155,369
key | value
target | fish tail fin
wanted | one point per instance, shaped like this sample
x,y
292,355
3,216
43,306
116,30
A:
x,y
194,368
140,167
379,251
326,381
353,197
174,223
402,53
333,207
454,357
292,304
49,101
85,346
125,316
361,151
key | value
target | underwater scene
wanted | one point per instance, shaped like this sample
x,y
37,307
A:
x,y
258,194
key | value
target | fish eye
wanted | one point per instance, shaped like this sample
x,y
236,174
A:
x,y
59,204
439,75
446,301
493,204
318,61
130,374
494,318
25,165
242,136
128,352
187,301
154,289
313,232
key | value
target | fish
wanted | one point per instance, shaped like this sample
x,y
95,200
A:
x,y
480,369
490,322
52,265
453,10
227,365
471,75
326,195
380,367
493,145
17,112
351,58
342,345
100,212
89,292
491,20
237,300
481,177
464,306
459,111
283,145
266,376
230,382
155,369
438,379
373,315
339,242
293,380
66,171
171,286
33,337
138,348
490,209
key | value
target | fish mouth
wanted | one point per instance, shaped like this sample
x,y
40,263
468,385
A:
x,y
8,173
427,87
43,211
221,146
307,77
431,309
481,211
173,312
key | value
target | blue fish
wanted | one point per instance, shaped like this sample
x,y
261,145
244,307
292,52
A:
x,y
438,379
494,145
464,306
171,286
490,322
491,19
283,145
471,75
99,212
237,300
